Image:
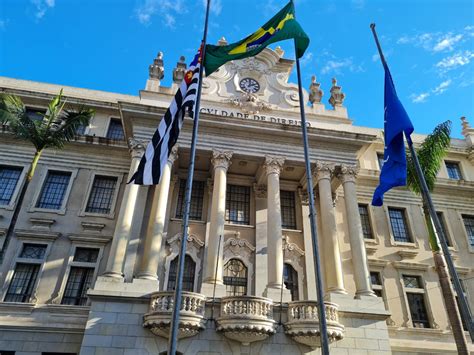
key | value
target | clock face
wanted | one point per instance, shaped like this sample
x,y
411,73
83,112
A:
x,y
249,85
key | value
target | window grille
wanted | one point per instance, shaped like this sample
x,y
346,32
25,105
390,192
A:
x,y
454,172
288,209
290,279
399,225
197,198
78,282
115,130
443,227
412,281
365,222
237,209
419,315
469,225
33,251
188,275
54,189
9,177
235,278
86,255
102,194
376,282
23,283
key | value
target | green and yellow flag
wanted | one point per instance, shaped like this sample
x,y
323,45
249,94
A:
x,y
282,26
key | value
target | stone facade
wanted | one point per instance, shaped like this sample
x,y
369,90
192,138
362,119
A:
x,y
252,195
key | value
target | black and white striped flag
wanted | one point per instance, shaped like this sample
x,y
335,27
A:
x,y
165,137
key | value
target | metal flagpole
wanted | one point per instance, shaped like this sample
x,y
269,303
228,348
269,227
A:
x,y
425,193
312,216
174,326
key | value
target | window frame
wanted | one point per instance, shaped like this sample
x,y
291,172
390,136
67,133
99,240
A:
x,y
449,233
459,166
232,223
413,243
168,270
90,184
41,181
371,222
21,181
294,210
464,230
380,155
177,205
112,118
247,289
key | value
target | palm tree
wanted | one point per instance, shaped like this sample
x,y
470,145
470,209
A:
x,y
430,155
58,126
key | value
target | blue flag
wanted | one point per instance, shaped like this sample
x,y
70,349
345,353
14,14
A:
x,y
396,121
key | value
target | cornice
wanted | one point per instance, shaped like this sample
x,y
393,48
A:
x,y
42,235
86,238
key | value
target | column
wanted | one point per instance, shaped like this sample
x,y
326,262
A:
x,y
347,176
214,258
273,166
123,227
261,222
156,222
330,243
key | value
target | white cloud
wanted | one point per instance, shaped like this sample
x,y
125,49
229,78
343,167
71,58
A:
x,y
42,6
307,58
419,98
337,66
442,87
447,42
438,90
167,9
457,60
358,4
216,6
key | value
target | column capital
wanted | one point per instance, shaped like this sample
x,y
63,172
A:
x,y
273,164
260,190
173,154
221,159
347,173
323,170
137,147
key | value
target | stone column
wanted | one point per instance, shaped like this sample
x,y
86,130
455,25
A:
x,y
330,243
347,176
123,227
273,166
214,258
261,222
156,222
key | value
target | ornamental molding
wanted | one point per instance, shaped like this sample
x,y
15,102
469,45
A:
x,y
137,146
192,240
250,64
347,173
260,190
39,235
236,246
249,103
323,170
221,159
273,164
173,155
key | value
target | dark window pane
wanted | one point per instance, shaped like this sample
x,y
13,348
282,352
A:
x,y
375,278
380,160
6,352
80,130
197,198
33,251
102,193
412,281
23,283
237,209
290,279
469,224
54,189
419,316
288,209
188,275
79,281
365,222
86,255
35,114
454,172
399,225
51,353
115,130
235,278
9,177
378,293
443,226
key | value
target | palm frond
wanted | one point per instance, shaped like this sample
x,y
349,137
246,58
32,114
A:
x,y
10,107
430,155
65,129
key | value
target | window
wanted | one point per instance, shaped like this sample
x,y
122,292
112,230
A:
x,y
26,272
35,114
237,209
290,279
416,301
54,189
102,194
454,172
235,278
115,130
51,353
6,352
188,275
365,222
80,130
469,225
399,225
288,209
197,198
376,282
9,177
380,160
443,227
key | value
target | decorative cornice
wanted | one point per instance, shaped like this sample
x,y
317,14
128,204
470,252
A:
x,y
191,239
173,155
89,239
137,147
237,245
42,223
27,234
347,173
404,265
323,170
273,164
260,190
221,159
92,227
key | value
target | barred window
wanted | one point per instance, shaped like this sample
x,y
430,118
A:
x,y
33,251
86,255
454,172
188,274
469,225
419,315
9,177
412,281
197,198
380,160
376,282
78,282
54,189
115,130
288,209
443,227
102,193
399,225
237,209
235,278
23,283
365,222
290,279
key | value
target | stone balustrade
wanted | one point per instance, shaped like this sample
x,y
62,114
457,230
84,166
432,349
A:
x,y
191,319
246,318
303,322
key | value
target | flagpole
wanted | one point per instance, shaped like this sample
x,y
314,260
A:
x,y
312,216
464,307
174,326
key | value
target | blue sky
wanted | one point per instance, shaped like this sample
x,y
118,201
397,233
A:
x,y
108,45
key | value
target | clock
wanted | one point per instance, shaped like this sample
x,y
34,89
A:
x,y
249,85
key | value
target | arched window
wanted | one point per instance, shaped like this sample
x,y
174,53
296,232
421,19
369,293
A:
x,y
235,278
188,275
290,277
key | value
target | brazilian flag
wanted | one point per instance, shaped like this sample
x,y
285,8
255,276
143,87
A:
x,y
282,26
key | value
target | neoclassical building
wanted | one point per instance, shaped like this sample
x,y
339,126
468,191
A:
x,y
91,268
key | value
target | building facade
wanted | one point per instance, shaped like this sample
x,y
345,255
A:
x,y
92,265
